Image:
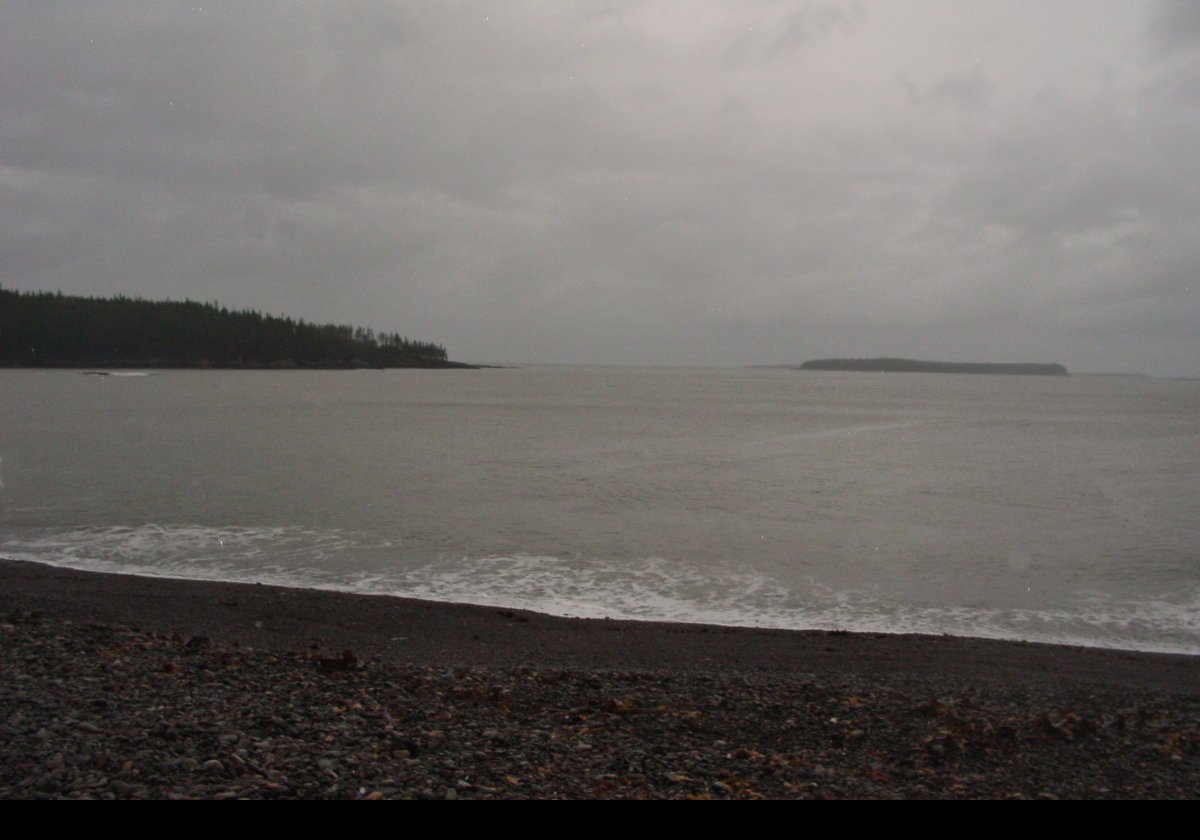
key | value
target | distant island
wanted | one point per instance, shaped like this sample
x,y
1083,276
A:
x,y
46,329
888,365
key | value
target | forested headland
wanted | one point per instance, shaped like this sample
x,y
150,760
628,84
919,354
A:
x,y
47,329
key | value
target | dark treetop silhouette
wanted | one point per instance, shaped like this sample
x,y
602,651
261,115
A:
x,y
46,329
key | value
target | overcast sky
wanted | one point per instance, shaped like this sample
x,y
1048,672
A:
x,y
625,182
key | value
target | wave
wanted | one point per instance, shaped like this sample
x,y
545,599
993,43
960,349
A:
x,y
647,588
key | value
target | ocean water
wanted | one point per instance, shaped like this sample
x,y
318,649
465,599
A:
x,y
1048,509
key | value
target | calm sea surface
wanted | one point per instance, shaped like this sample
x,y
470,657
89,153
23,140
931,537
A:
x,y
1053,509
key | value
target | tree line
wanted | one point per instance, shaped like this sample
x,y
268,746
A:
x,y
50,329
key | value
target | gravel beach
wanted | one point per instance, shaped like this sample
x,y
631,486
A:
x,y
128,687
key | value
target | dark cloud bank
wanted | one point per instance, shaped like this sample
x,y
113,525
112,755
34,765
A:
x,y
660,182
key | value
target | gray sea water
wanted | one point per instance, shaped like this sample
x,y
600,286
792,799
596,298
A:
x,y
1050,509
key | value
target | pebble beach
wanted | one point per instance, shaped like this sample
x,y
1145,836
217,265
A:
x,y
115,687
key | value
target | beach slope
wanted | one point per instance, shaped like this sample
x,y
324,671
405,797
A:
x,y
121,686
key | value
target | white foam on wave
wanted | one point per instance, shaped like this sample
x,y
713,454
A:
x,y
657,589
648,589
287,556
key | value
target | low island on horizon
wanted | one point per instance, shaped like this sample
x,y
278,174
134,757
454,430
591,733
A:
x,y
892,365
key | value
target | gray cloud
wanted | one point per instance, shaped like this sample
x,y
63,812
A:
x,y
967,89
1175,25
662,182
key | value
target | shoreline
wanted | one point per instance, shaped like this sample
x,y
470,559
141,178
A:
x,y
400,629
584,615
117,686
